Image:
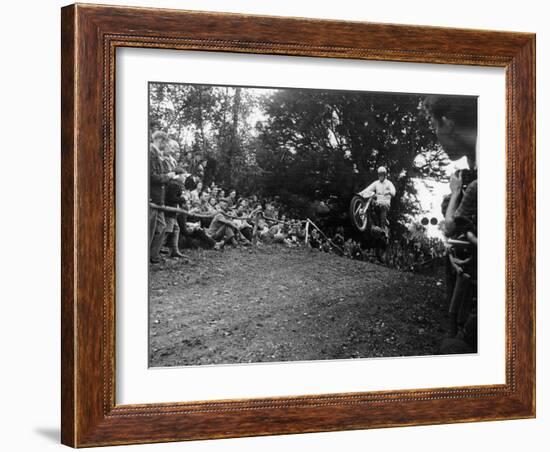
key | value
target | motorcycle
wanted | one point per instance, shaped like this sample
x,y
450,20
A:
x,y
363,219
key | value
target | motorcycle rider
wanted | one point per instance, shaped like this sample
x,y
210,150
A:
x,y
383,191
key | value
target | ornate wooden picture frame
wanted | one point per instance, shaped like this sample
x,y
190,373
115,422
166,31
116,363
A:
x,y
90,37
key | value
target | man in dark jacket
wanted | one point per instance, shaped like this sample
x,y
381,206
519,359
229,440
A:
x,y
160,173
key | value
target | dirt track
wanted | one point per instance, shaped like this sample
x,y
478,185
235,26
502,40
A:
x,y
281,304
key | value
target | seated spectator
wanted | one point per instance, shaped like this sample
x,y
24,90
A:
x,y
263,228
214,192
196,237
195,193
244,236
315,239
195,207
339,237
282,233
205,207
299,230
212,202
222,229
232,198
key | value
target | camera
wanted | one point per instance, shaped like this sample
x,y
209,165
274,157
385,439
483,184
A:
x,y
468,176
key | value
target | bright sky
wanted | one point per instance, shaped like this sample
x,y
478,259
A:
x,y
430,195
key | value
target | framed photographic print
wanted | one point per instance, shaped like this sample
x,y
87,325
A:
x,y
271,225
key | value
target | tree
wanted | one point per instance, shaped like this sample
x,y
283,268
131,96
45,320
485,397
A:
x,y
329,144
211,124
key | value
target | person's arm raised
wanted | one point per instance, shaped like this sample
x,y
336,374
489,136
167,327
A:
x,y
456,184
369,191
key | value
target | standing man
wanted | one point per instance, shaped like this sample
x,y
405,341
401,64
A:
x,y
160,173
383,191
172,152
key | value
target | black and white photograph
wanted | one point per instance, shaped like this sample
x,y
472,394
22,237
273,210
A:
x,y
293,224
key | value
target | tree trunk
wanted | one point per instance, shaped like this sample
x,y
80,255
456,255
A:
x,y
201,125
234,143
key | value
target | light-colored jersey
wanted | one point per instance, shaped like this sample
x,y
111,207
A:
x,y
383,191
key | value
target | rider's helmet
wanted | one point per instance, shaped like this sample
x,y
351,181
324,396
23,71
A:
x,y
382,170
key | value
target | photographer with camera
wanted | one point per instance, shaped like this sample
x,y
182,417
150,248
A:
x,y
462,206
456,128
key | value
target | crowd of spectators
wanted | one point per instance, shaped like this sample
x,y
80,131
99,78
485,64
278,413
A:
x,y
185,213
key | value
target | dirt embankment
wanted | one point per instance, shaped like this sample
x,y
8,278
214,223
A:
x,y
279,304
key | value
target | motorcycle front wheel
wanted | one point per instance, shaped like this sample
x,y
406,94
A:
x,y
358,213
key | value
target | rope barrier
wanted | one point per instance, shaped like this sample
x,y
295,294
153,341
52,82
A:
x,y
178,210
254,214
251,216
200,215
